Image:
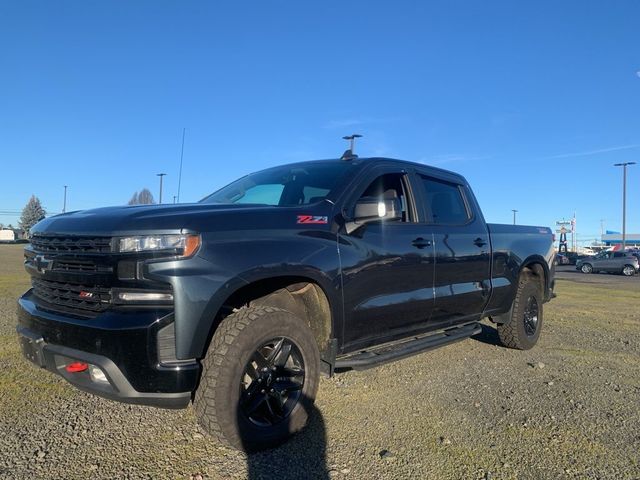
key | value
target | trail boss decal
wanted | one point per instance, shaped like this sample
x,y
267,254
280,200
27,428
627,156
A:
x,y
312,219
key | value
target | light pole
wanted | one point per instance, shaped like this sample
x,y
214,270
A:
x,y
624,201
64,204
514,216
160,175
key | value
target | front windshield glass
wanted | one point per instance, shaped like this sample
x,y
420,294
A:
x,y
285,186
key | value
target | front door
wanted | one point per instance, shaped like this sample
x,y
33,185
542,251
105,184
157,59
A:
x,y
387,269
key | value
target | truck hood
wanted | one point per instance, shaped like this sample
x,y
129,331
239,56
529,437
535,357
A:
x,y
139,219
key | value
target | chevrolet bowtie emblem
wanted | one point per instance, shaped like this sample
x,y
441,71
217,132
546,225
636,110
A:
x,y
41,263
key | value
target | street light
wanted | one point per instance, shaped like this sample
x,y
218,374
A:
x,y
64,205
624,201
160,175
514,216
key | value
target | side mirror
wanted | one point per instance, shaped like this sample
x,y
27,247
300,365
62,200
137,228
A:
x,y
371,209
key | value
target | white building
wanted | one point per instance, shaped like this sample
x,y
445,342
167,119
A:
x,y
7,235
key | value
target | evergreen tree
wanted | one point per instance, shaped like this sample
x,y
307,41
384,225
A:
x,y
31,214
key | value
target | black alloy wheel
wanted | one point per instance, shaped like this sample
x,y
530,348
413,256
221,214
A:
x,y
272,382
531,316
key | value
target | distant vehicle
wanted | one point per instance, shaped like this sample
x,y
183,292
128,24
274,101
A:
x,y
562,259
7,235
635,253
573,257
613,262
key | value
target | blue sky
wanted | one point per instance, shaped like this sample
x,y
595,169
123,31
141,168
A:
x,y
532,102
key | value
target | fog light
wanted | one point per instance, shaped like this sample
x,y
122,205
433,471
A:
x,y
97,375
145,297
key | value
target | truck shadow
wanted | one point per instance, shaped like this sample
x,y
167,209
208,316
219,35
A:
x,y
303,456
489,335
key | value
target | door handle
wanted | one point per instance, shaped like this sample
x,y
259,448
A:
x,y
479,242
421,243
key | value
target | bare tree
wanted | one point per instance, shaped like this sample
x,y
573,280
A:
x,y
143,197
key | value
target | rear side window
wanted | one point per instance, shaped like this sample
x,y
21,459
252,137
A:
x,y
618,255
445,202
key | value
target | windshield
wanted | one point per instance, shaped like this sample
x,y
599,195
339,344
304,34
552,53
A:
x,y
286,186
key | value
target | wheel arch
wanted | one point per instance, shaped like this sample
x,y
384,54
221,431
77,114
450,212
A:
x,y
306,296
537,266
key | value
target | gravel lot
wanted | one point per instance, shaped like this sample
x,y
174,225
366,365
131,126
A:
x,y
569,408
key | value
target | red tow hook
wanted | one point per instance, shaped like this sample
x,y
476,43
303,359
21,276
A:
x,y
76,367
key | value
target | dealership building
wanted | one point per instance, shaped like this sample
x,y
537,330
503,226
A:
x,y
615,238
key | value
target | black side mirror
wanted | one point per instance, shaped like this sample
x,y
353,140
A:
x,y
371,209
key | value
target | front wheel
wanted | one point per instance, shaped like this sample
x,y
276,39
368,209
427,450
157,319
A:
x,y
523,327
586,268
628,270
259,378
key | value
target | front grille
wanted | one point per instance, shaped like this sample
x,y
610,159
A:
x,y
72,296
70,244
80,267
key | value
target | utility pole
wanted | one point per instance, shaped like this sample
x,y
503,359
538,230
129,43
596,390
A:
x,y
184,130
64,204
624,201
514,216
160,175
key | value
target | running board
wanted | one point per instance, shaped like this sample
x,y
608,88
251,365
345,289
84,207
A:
x,y
405,348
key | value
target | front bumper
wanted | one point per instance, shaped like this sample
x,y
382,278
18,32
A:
x,y
123,345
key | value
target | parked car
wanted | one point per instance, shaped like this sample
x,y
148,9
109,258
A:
x,y
238,302
562,259
573,257
612,262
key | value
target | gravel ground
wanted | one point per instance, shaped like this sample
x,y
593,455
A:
x,y
569,408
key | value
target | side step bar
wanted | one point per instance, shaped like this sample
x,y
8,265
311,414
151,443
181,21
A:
x,y
405,348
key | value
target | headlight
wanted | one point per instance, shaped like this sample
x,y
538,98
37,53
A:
x,y
182,245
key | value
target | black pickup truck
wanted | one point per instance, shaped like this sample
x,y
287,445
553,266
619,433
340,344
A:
x,y
237,303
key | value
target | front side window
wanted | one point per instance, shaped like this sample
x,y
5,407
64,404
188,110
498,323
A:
x,y
389,186
445,202
286,186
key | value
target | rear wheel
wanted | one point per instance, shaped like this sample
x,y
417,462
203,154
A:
x,y
628,270
586,268
523,327
259,378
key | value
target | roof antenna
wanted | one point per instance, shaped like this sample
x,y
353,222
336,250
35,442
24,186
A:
x,y
348,154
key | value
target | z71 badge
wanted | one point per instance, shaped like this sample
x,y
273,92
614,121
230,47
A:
x,y
312,219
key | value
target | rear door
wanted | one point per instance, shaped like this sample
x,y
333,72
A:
x,y
462,249
617,262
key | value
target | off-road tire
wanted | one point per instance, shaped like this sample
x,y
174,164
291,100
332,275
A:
x,y
217,398
513,333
